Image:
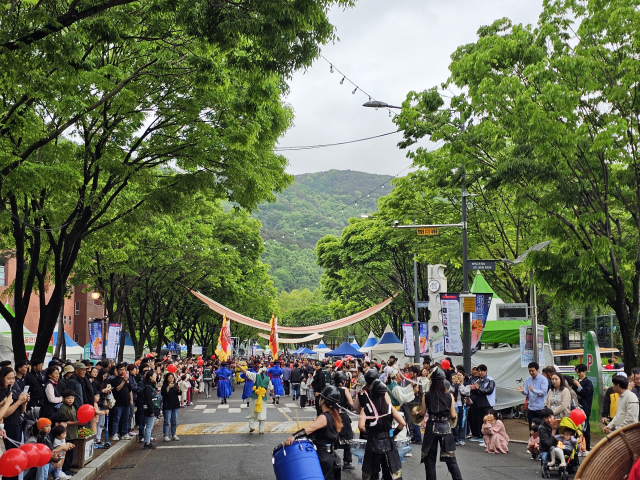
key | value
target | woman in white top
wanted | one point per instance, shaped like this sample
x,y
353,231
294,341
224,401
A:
x,y
559,398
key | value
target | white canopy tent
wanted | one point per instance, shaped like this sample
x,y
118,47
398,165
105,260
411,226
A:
x,y
369,343
388,345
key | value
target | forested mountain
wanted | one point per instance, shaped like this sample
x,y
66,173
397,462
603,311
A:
x,y
315,205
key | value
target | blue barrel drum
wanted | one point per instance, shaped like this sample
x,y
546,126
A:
x,y
298,461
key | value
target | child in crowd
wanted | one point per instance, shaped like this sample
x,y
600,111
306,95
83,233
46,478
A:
x,y
44,428
566,443
59,439
533,446
303,393
184,386
97,423
310,392
68,409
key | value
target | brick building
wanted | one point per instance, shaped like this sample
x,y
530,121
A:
x,y
78,309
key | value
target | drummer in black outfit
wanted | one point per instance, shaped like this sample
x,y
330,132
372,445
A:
x,y
440,405
376,417
346,435
324,431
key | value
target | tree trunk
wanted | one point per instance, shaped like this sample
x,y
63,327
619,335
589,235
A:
x,y
628,327
123,336
60,344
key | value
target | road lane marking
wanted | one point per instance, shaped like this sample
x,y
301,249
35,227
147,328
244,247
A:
x,y
209,410
199,407
224,406
221,445
234,410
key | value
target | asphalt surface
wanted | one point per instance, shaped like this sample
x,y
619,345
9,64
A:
x,y
213,444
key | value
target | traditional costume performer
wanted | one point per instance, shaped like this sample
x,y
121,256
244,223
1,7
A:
x,y
275,373
376,416
258,402
224,385
437,403
248,386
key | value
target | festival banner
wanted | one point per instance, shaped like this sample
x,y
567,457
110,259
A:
x,y
113,339
526,345
95,339
593,361
450,307
479,319
223,350
409,339
273,337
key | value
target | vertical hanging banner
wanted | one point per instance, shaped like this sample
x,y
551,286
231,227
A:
x,y
451,319
593,361
479,319
113,340
526,345
95,340
223,349
273,337
408,340
424,338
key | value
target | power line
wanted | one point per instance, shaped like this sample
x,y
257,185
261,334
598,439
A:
x,y
309,147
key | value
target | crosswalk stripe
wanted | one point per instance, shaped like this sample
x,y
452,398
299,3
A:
x,y
209,410
199,407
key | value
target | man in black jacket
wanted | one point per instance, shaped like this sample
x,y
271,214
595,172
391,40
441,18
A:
x,y
318,383
76,383
296,379
481,390
35,380
546,432
584,389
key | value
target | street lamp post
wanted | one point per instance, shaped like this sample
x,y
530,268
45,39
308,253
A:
x,y
96,296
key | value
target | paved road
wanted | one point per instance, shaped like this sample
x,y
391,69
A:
x,y
215,443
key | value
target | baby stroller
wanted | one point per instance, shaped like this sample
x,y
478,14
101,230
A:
x,y
572,460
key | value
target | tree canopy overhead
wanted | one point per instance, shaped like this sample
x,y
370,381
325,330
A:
x,y
107,105
549,114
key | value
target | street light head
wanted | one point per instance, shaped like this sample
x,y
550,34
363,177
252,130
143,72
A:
x,y
395,223
378,104
95,295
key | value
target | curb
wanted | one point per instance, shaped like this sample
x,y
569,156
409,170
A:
x,y
97,467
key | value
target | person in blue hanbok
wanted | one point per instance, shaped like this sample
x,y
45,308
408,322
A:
x,y
275,373
224,385
248,386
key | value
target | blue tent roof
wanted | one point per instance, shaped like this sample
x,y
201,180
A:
x,y
306,351
67,339
388,337
371,341
344,350
322,344
354,344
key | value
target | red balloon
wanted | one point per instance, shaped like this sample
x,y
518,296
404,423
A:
x,y
199,357
446,365
13,462
339,363
86,413
577,416
172,368
45,454
213,357
149,355
33,454
200,361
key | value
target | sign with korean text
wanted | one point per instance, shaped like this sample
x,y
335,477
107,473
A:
x,y
95,340
428,231
469,304
451,319
113,340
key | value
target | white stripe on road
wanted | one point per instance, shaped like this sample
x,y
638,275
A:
x,y
216,446
234,410
209,410
199,407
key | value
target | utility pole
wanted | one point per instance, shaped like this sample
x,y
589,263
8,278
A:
x,y
466,316
416,320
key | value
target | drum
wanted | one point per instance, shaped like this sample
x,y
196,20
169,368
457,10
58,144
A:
x,y
404,447
298,461
403,433
357,449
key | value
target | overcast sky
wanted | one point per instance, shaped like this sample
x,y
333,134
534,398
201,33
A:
x,y
388,48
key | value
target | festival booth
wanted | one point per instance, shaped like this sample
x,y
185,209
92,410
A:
x,y
321,350
355,345
345,350
305,351
369,343
388,345
74,351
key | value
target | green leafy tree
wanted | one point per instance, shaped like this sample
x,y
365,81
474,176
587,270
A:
x,y
551,115
97,106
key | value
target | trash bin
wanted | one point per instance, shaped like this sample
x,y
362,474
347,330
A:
x,y
83,451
